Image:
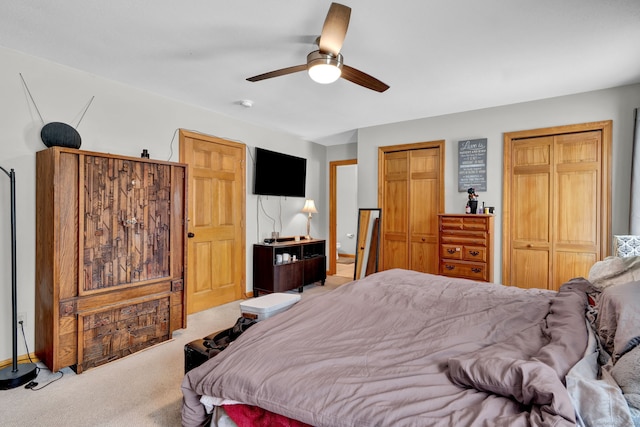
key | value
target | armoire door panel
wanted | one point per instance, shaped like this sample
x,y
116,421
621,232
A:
x,y
126,222
66,229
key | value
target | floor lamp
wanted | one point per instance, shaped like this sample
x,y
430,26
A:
x,y
17,374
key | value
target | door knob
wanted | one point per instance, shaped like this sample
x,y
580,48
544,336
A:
x,y
190,235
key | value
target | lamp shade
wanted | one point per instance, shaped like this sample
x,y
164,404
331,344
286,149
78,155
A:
x,y
309,206
324,67
324,73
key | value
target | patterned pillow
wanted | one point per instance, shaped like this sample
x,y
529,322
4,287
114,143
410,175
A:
x,y
624,246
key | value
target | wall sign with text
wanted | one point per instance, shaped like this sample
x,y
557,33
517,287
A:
x,y
472,164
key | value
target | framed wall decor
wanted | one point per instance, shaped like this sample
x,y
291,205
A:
x,y
472,164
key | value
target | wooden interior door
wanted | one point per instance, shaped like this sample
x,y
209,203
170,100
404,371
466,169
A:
x,y
557,204
216,200
410,193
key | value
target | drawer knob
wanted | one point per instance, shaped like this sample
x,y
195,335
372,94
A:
x,y
449,267
451,251
474,253
476,270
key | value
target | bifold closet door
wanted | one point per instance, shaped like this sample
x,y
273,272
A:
x,y
557,200
411,196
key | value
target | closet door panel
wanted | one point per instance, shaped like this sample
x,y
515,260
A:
x,y
424,201
532,181
578,197
395,216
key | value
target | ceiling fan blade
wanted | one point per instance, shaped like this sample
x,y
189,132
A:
x,y
334,29
278,73
363,79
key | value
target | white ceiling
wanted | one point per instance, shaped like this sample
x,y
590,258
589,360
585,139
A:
x,y
438,56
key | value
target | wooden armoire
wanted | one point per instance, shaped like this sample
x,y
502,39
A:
x,y
110,255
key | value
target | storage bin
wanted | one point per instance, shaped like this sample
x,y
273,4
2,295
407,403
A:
x,y
268,305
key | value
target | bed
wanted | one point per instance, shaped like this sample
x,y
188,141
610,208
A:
x,y
401,348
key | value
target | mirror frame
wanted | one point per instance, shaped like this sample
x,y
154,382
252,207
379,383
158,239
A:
x,y
368,240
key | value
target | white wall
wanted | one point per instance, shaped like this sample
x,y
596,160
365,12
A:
x,y
124,120
347,208
615,104
121,120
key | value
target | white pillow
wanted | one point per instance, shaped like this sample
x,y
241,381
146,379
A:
x,y
614,271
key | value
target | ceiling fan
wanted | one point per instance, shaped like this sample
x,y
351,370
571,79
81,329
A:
x,y
326,65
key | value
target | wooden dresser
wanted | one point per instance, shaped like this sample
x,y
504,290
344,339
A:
x,y
466,246
110,255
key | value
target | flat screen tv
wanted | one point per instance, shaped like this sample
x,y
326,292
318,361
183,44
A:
x,y
278,174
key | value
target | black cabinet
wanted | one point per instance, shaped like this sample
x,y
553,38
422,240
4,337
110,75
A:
x,y
283,266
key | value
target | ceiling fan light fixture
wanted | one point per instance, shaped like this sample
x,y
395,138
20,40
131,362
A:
x,y
324,68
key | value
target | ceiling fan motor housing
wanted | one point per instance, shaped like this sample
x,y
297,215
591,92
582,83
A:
x,y
324,67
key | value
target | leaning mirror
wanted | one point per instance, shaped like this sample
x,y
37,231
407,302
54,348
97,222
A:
x,y
367,243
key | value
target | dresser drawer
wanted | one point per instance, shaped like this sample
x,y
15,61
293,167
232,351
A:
x,y
451,223
464,238
475,223
476,271
474,253
451,251
470,222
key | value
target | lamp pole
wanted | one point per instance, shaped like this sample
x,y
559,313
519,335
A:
x,y
18,374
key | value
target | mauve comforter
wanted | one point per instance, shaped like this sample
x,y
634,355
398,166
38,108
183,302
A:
x,y
401,348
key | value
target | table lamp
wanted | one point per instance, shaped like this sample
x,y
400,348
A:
x,y
309,207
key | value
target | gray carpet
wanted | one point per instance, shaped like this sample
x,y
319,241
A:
x,y
140,390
